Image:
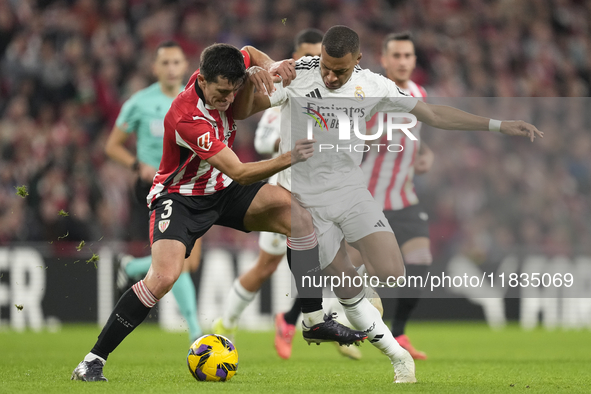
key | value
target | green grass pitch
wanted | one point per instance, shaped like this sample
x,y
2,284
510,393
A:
x,y
463,358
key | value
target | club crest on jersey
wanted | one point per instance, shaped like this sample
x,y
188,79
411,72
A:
x,y
359,94
203,142
163,225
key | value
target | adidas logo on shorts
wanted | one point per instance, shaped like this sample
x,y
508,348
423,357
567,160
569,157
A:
x,y
380,224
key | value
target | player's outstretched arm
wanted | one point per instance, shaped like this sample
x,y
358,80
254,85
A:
x,y
246,173
449,118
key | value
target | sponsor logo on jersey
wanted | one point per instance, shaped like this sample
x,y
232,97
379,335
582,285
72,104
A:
x,y
163,225
203,142
320,121
359,94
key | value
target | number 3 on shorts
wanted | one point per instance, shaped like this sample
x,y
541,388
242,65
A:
x,y
167,209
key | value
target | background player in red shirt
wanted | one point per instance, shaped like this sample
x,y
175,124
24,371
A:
x,y
390,180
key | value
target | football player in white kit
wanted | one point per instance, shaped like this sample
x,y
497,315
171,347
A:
x,y
390,179
331,185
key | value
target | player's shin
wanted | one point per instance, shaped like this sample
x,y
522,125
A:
x,y
130,312
303,260
409,298
238,299
291,316
184,293
363,316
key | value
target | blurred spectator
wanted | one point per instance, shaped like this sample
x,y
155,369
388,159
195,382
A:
x,y
65,67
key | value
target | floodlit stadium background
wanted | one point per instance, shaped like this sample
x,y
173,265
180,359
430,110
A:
x,y
67,66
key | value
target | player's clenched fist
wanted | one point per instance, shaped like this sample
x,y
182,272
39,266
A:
x,y
520,128
261,79
302,151
285,71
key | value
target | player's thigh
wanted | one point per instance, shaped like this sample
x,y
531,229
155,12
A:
x,y
270,210
366,229
176,217
381,254
168,256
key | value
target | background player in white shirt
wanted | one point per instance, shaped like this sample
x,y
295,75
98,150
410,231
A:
x,y
272,245
330,186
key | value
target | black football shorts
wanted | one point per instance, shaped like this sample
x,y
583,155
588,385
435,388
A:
x,y
187,218
408,223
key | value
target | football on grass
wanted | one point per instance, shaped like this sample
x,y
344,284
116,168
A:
x,y
212,358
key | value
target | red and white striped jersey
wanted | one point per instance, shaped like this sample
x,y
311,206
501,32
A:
x,y
193,132
389,175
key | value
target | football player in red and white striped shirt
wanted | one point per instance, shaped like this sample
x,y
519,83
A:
x,y
389,178
201,182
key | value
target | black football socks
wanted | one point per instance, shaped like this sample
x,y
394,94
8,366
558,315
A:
x,y
130,311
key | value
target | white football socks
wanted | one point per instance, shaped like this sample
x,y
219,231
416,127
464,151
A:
x,y
91,356
238,299
363,316
313,318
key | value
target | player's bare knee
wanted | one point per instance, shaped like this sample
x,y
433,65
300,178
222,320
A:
x,y
301,221
164,285
385,265
388,271
160,281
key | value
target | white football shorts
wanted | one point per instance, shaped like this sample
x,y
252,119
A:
x,y
284,179
353,219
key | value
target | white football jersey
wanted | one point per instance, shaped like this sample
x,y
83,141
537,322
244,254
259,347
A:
x,y
267,132
330,174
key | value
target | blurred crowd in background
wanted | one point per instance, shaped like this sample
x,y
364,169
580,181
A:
x,y
67,66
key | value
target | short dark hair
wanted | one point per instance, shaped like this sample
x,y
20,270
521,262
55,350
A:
x,y
222,60
402,36
308,36
340,40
